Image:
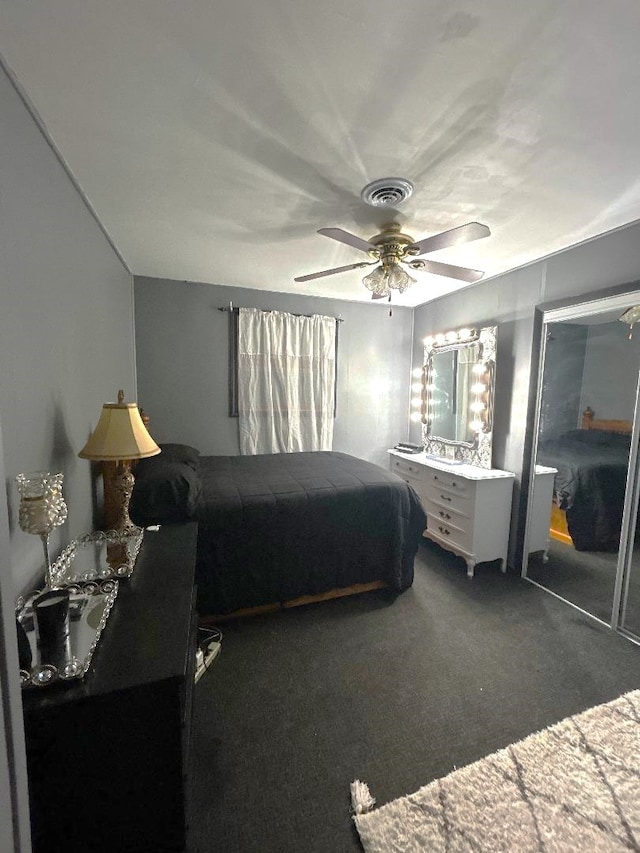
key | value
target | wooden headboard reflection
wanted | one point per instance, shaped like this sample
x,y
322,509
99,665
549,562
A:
x,y
589,421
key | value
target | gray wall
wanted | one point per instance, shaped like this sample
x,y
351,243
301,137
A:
x,y
509,301
611,371
66,326
561,404
14,799
182,364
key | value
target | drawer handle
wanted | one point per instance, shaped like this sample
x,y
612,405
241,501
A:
x,y
445,497
435,477
444,515
445,531
453,484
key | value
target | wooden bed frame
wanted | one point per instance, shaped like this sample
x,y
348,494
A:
x,y
589,421
337,592
559,529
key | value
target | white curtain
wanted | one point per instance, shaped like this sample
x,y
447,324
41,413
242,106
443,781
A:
x,y
286,381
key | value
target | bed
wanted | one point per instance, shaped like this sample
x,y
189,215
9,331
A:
x,y
589,486
282,529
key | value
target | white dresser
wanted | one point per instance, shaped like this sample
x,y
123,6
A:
x,y
468,508
540,513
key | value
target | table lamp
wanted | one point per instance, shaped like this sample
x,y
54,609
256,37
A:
x,y
120,436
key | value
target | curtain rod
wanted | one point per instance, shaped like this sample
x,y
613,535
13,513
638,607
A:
x,y
231,307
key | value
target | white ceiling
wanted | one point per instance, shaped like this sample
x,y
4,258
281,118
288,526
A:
x,y
214,138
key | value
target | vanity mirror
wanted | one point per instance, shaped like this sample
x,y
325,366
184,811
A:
x,y
457,390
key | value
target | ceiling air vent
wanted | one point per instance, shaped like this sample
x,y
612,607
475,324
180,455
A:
x,y
387,192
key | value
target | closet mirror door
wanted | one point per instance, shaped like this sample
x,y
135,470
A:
x,y
630,583
586,399
630,610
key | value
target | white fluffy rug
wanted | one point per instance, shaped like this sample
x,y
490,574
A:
x,y
572,787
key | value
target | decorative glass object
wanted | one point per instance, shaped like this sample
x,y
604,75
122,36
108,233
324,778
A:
x,y
68,656
42,508
98,556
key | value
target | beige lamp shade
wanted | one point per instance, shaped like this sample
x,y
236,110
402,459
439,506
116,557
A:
x,y
120,434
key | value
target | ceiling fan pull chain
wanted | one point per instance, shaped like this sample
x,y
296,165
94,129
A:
x,y
390,308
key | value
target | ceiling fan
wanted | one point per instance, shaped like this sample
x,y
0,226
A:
x,y
390,249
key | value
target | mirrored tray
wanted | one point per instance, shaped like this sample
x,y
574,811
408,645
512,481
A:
x,y
89,607
97,556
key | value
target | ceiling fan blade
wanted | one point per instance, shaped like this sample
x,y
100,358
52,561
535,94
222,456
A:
x,y
462,234
448,270
379,295
313,275
345,237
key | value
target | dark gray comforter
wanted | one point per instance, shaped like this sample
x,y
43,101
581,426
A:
x,y
276,527
590,484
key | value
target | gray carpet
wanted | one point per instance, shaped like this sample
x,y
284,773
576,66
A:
x,y
396,692
585,578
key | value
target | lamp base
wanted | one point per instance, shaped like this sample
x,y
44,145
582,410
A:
x,y
123,481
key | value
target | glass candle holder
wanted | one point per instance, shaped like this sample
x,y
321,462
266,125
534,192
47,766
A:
x,y
42,507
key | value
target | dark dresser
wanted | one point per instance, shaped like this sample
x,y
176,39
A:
x,y
107,756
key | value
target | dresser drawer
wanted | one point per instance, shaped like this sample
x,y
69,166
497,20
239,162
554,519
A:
x,y
460,500
407,470
461,516
448,480
449,531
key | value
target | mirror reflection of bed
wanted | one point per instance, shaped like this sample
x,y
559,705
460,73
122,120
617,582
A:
x,y
586,398
586,510
590,482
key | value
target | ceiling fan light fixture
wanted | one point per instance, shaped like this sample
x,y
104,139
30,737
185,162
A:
x,y
376,281
383,279
387,192
398,279
630,316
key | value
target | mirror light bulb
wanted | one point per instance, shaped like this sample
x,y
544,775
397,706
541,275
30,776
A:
x,y
417,372
417,387
476,407
478,368
415,416
428,341
476,426
478,388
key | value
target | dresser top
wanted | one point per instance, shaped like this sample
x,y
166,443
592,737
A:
x,y
147,637
470,472
545,469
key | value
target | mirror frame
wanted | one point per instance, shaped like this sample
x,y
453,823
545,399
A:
x,y
477,452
